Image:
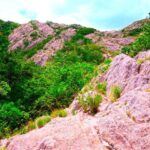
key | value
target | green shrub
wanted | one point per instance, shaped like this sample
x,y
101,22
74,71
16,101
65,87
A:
x,y
85,30
105,65
31,125
101,87
80,35
115,93
34,35
41,121
4,88
135,32
90,103
58,113
26,42
90,53
74,112
35,27
11,117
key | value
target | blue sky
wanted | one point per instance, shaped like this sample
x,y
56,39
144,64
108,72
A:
x,y
100,14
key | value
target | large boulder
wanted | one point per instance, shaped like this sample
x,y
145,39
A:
x,y
71,133
125,125
122,69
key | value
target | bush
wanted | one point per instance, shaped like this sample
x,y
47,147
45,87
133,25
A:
x,y
58,113
34,35
90,53
101,87
135,32
11,117
80,35
85,30
105,65
26,42
31,125
4,88
41,121
33,23
90,103
115,93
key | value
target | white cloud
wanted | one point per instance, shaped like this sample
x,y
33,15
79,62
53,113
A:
x,y
87,13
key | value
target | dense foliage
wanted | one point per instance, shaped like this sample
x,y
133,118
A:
x,y
28,91
142,43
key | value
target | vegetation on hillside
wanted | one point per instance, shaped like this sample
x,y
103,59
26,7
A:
x,y
28,91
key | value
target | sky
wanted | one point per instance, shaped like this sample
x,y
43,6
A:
x,y
99,14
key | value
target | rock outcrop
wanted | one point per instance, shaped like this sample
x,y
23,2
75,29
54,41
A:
x,y
115,44
28,35
122,125
112,41
52,47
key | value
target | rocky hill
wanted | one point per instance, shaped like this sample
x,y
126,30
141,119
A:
x,y
122,125
34,32
68,87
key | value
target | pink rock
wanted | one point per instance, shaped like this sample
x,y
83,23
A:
x,y
136,81
67,34
112,34
45,29
145,68
114,44
52,47
55,136
143,55
126,123
94,37
122,69
23,33
122,125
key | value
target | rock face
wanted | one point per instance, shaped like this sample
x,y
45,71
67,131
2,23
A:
x,y
28,35
115,44
122,125
112,40
55,136
52,47
122,69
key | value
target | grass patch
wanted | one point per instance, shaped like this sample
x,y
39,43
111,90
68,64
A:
x,y
101,87
41,121
58,113
141,61
115,93
90,103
